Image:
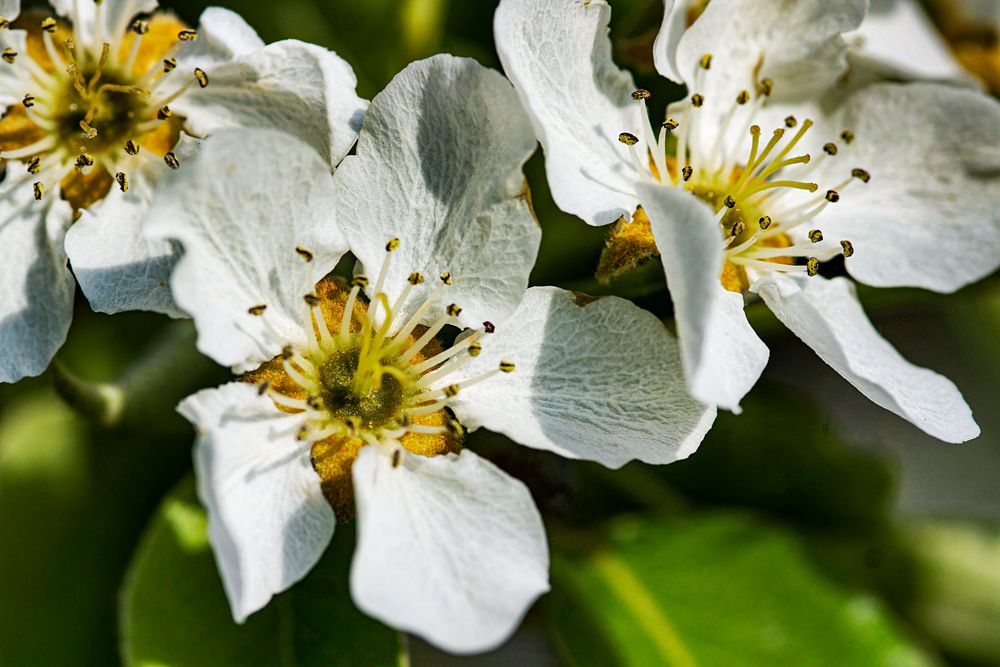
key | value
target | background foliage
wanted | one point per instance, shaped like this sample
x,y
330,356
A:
x,y
815,529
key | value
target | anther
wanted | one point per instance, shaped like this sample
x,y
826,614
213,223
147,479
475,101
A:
x,y
766,87
737,229
83,161
628,138
812,266
39,191
687,172
397,456
122,181
832,196
454,310
706,61
743,97
403,421
847,136
353,426
303,433
847,247
507,366
263,387
202,77
415,278
131,147
446,278
187,35
49,25
257,310
28,101
9,55
456,428
88,131
815,236
169,65
830,148
790,122
287,352
697,100
730,202
861,175
641,94
164,113
755,130
140,27
670,124
4,24
314,402
489,327
391,245
305,254
34,165
475,349
310,299
359,281
451,390
171,160
764,222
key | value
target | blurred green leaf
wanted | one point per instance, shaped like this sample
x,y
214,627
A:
x,y
175,612
717,589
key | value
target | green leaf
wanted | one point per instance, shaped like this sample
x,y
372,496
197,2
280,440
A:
x,y
175,612
717,589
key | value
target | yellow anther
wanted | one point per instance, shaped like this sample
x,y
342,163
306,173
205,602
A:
x,y
705,62
687,172
730,202
202,77
9,55
628,138
766,87
28,101
314,402
164,113
415,278
257,310
391,245
39,189
475,349
697,100
815,236
305,254
83,161
49,25
507,366
397,457
812,266
755,130
454,310
743,97
830,148
359,281
310,299
171,160
456,428
287,352
670,124
861,175
832,196
451,390
847,248
641,94
169,65
446,278
131,147
737,229
790,122
847,136
140,27
764,222
122,181
34,165
187,35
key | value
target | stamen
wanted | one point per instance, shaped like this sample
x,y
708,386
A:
x,y
122,181
812,266
305,254
847,247
171,159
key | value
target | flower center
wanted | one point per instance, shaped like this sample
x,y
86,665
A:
x,y
89,107
365,376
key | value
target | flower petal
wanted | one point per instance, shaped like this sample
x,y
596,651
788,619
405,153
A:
x,y
114,17
826,315
36,302
243,222
721,354
597,380
438,166
795,43
558,56
117,268
449,547
223,35
292,86
929,217
671,30
268,521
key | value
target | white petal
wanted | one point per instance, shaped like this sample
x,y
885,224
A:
x,y
268,521
795,43
721,354
438,166
900,39
671,30
599,381
558,56
118,269
10,9
223,35
36,299
929,217
240,219
292,86
450,547
826,315
12,80
94,23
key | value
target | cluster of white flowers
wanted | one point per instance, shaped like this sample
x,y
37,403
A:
x,y
200,173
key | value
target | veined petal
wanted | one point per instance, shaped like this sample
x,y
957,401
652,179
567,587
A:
x,y
36,302
898,38
449,547
558,56
292,86
722,356
438,166
599,380
95,22
256,232
223,35
826,315
268,521
671,29
117,268
929,217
